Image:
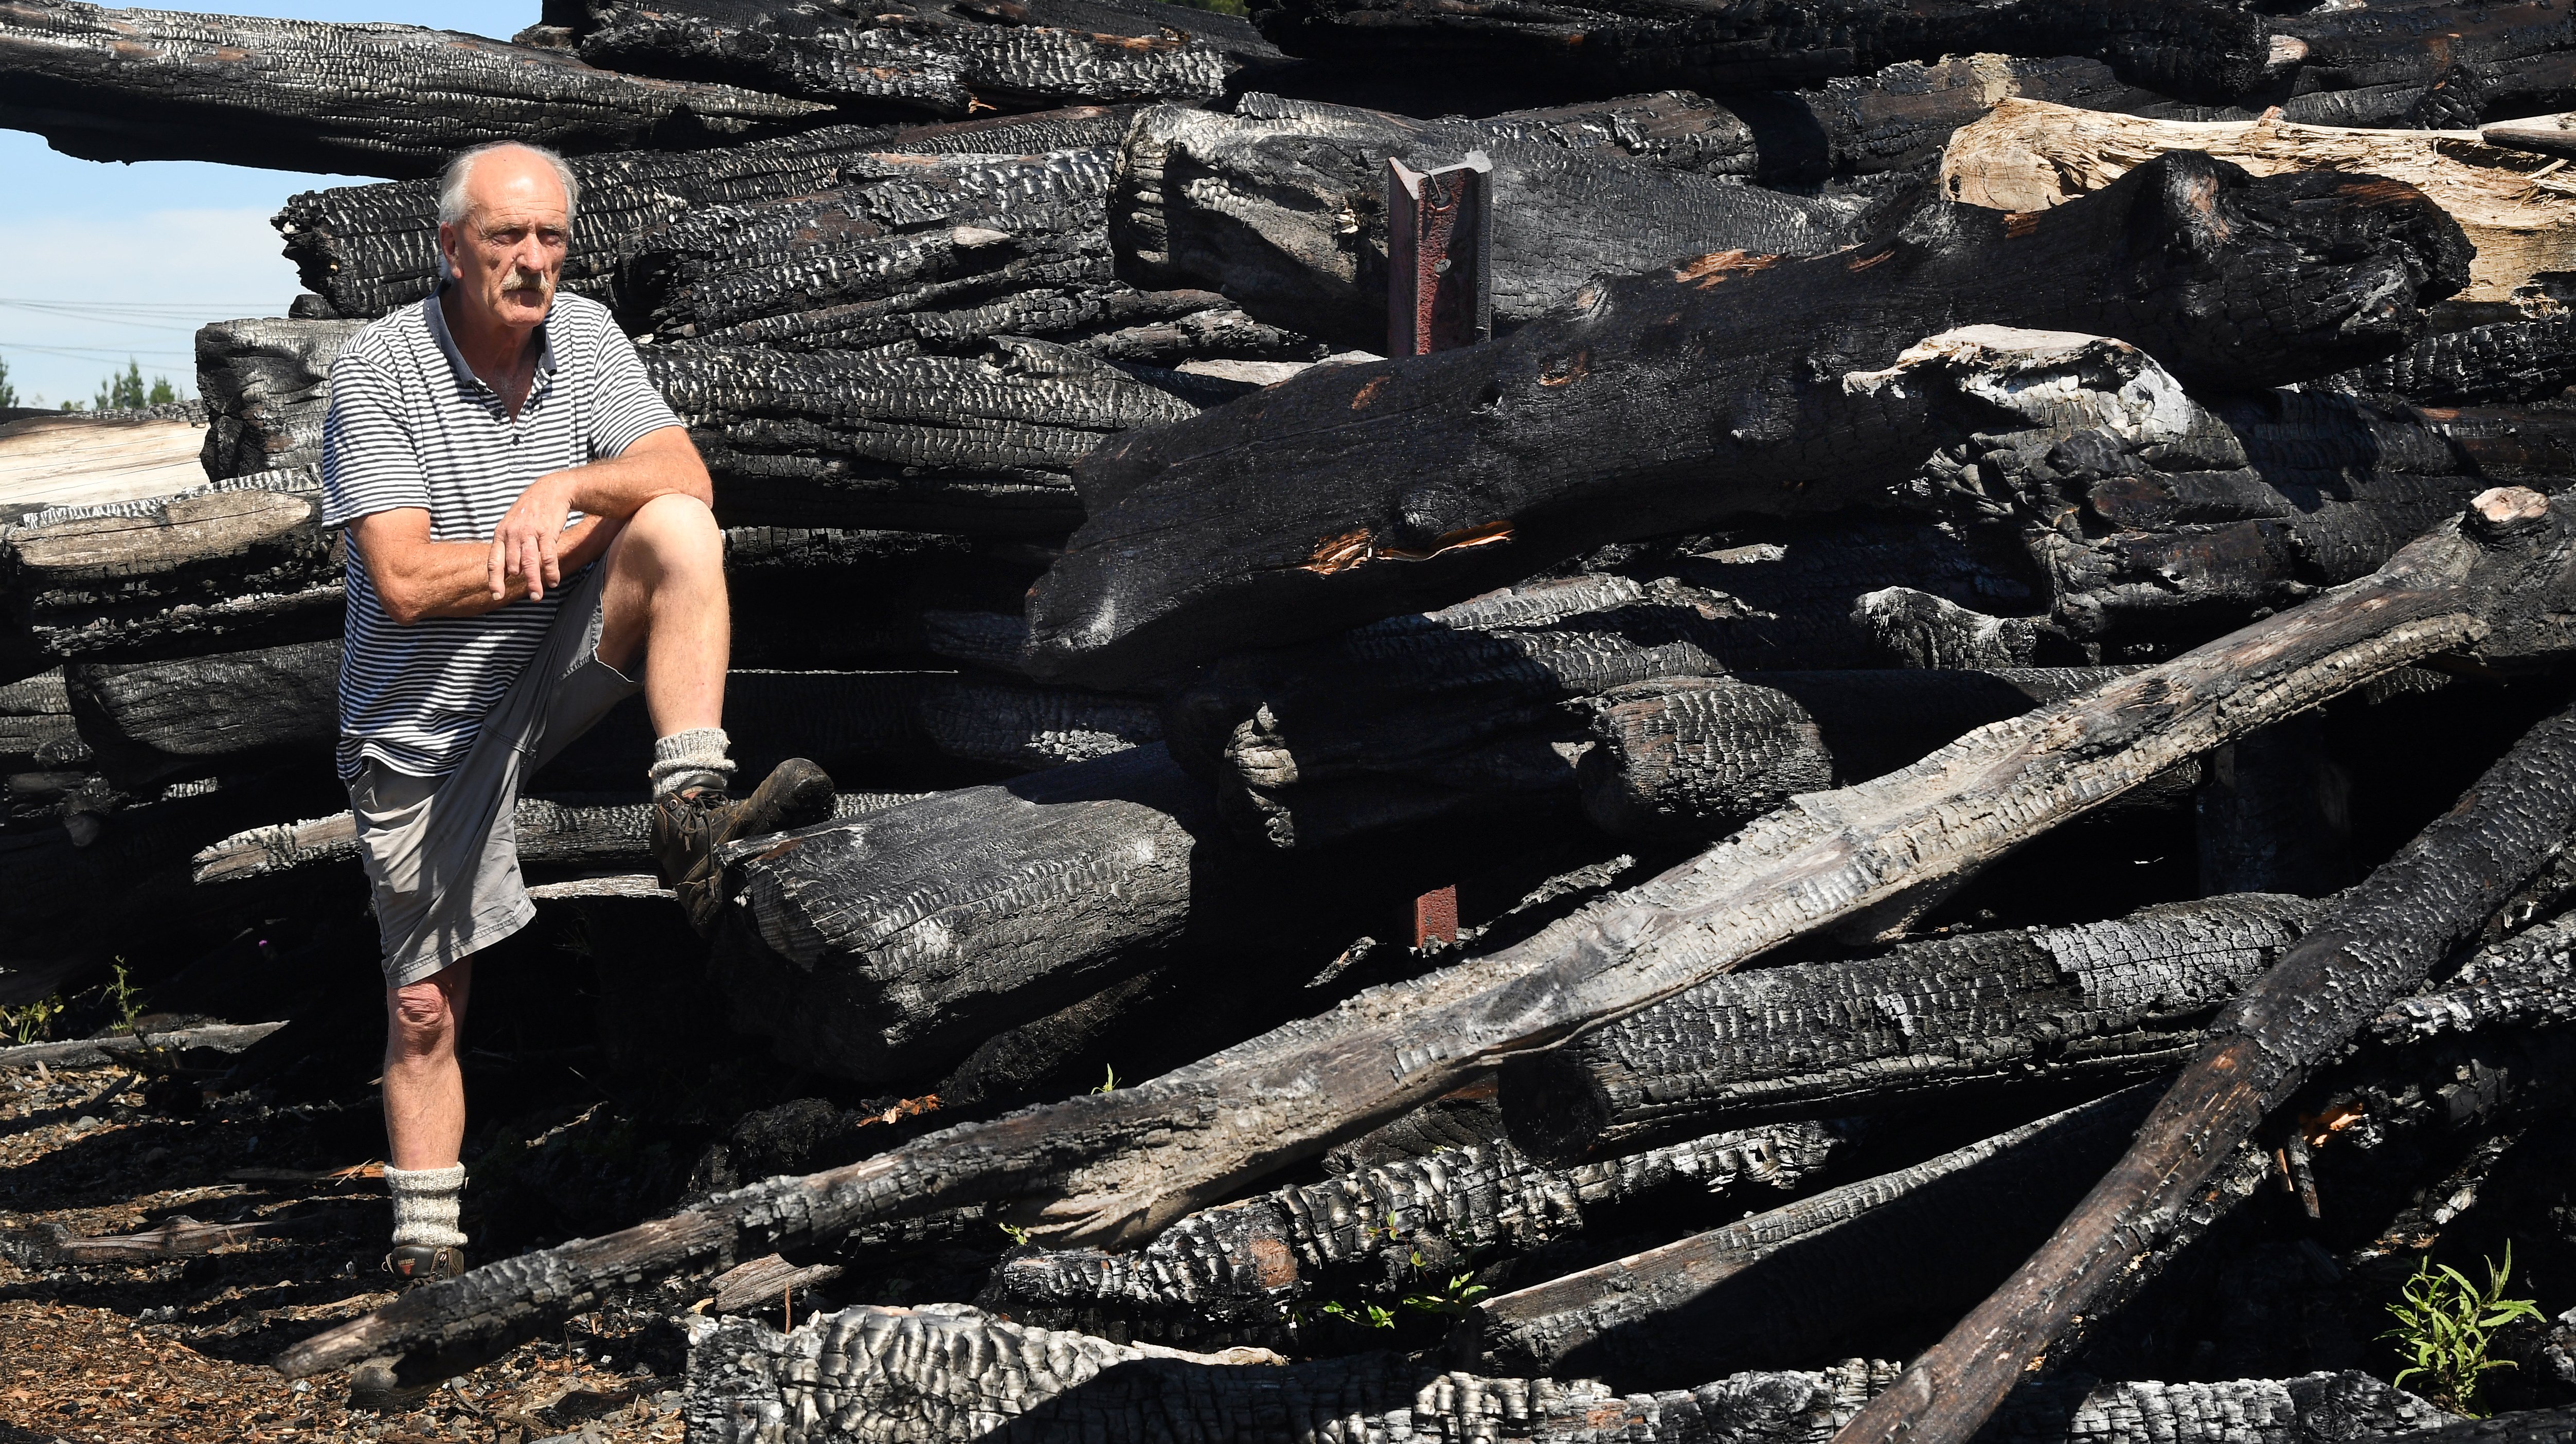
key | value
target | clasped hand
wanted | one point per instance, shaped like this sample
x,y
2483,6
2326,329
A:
x,y
527,542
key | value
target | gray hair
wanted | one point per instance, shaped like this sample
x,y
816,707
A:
x,y
451,181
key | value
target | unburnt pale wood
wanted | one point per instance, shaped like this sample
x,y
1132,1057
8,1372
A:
x,y
1675,400
375,99
2514,206
1119,1166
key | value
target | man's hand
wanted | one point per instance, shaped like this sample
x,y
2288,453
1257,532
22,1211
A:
x,y
525,543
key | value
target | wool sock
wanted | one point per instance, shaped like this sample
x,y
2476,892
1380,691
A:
x,y
426,1201
695,758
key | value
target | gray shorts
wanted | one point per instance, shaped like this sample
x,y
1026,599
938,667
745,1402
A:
x,y
442,852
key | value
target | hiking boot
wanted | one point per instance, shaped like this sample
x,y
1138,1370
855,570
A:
x,y
796,793
415,1265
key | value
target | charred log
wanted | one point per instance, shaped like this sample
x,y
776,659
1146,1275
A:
x,y
1119,1165
1468,708
1016,724
37,733
369,249
556,832
151,720
378,99
2379,939
1698,757
2028,155
236,565
1811,1277
2501,361
1586,429
2200,51
264,383
2528,980
1282,208
2493,58
911,1376
1384,1229
943,59
979,444
1946,1016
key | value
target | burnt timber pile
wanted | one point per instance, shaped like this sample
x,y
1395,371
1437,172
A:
x,y
1762,722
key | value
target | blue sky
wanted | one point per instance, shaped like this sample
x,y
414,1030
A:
x,y
99,262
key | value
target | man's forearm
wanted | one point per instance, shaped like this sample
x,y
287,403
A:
x,y
452,579
661,463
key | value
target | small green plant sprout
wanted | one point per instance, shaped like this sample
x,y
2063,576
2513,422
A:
x,y
30,1024
2445,1324
1016,1234
128,998
1450,1302
1109,1082
1366,1315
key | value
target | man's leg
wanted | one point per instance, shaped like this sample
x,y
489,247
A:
x,y
425,1113
664,606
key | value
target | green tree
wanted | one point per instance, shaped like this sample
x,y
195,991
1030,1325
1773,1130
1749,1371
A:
x,y
121,393
8,393
163,393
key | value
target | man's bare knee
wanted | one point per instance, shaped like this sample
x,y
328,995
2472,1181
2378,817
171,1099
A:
x,y
680,532
424,1018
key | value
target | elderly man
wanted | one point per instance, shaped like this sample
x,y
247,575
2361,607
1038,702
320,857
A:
x,y
529,534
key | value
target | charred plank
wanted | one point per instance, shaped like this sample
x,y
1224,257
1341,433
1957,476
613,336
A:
x,y
265,388
1383,1229
375,99
1421,479
1945,1016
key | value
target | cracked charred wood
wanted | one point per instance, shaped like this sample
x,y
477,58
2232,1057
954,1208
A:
x,y
265,384
1465,708
376,99
2274,814
573,832
977,444
1810,1278
2452,66
2028,155
1383,1230
1901,116
1421,479
936,57
2251,502
2190,49
1919,629
148,721
37,733
1945,1016
1698,757
2524,981
1019,724
912,1376
1281,207
2531,359
2378,940
2528,1426
236,565
1105,1168
368,249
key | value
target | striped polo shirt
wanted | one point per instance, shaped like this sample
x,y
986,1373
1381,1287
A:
x,y
411,425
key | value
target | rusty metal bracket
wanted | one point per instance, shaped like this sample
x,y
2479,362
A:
x,y
1439,256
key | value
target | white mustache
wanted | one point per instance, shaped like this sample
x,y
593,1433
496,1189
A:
x,y
523,279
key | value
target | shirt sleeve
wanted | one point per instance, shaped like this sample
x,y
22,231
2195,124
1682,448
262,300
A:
x,y
624,407
368,462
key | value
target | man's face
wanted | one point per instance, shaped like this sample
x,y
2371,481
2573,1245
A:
x,y
506,254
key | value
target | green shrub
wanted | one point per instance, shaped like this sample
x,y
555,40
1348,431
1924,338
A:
x,y
2445,1324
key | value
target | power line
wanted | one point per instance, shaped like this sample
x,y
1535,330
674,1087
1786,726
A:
x,y
86,353
145,318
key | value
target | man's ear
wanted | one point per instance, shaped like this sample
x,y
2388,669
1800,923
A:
x,y
447,251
